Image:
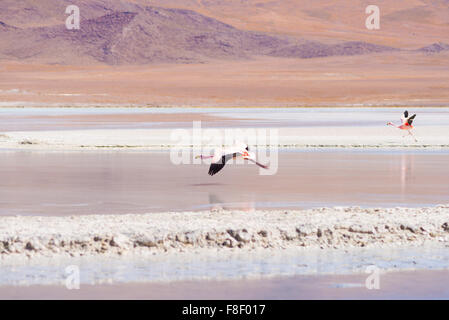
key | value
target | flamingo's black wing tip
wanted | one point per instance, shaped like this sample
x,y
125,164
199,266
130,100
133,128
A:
x,y
215,167
410,120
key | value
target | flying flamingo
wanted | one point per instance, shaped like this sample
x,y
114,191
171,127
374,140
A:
x,y
406,124
223,155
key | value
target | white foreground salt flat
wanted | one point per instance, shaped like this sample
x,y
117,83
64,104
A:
x,y
222,244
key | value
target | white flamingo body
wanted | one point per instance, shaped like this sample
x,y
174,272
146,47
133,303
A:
x,y
223,155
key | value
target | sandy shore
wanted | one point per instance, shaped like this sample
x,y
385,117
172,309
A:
x,y
373,137
376,79
393,285
25,236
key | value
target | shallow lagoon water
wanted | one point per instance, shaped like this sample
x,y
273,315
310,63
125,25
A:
x,y
231,265
95,182
22,119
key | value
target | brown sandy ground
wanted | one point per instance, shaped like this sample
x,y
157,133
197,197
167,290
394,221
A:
x,y
379,79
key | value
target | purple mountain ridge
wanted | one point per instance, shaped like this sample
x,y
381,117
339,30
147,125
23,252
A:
x,y
435,48
145,34
6,27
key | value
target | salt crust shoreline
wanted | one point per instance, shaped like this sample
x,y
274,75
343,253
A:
x,y
156,233
148,139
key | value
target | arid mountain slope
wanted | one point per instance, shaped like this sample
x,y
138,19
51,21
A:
x,y
157,35
407,24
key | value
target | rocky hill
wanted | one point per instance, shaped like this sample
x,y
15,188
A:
x,y
122,32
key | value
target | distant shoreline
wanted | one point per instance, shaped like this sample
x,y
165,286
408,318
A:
x,y
382,137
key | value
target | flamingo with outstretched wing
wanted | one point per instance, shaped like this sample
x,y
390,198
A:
x,y
223,155
406,124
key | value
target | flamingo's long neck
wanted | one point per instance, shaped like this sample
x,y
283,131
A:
x,y
392,124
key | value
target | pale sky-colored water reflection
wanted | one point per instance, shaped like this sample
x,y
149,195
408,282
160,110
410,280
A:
x,y
71,183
